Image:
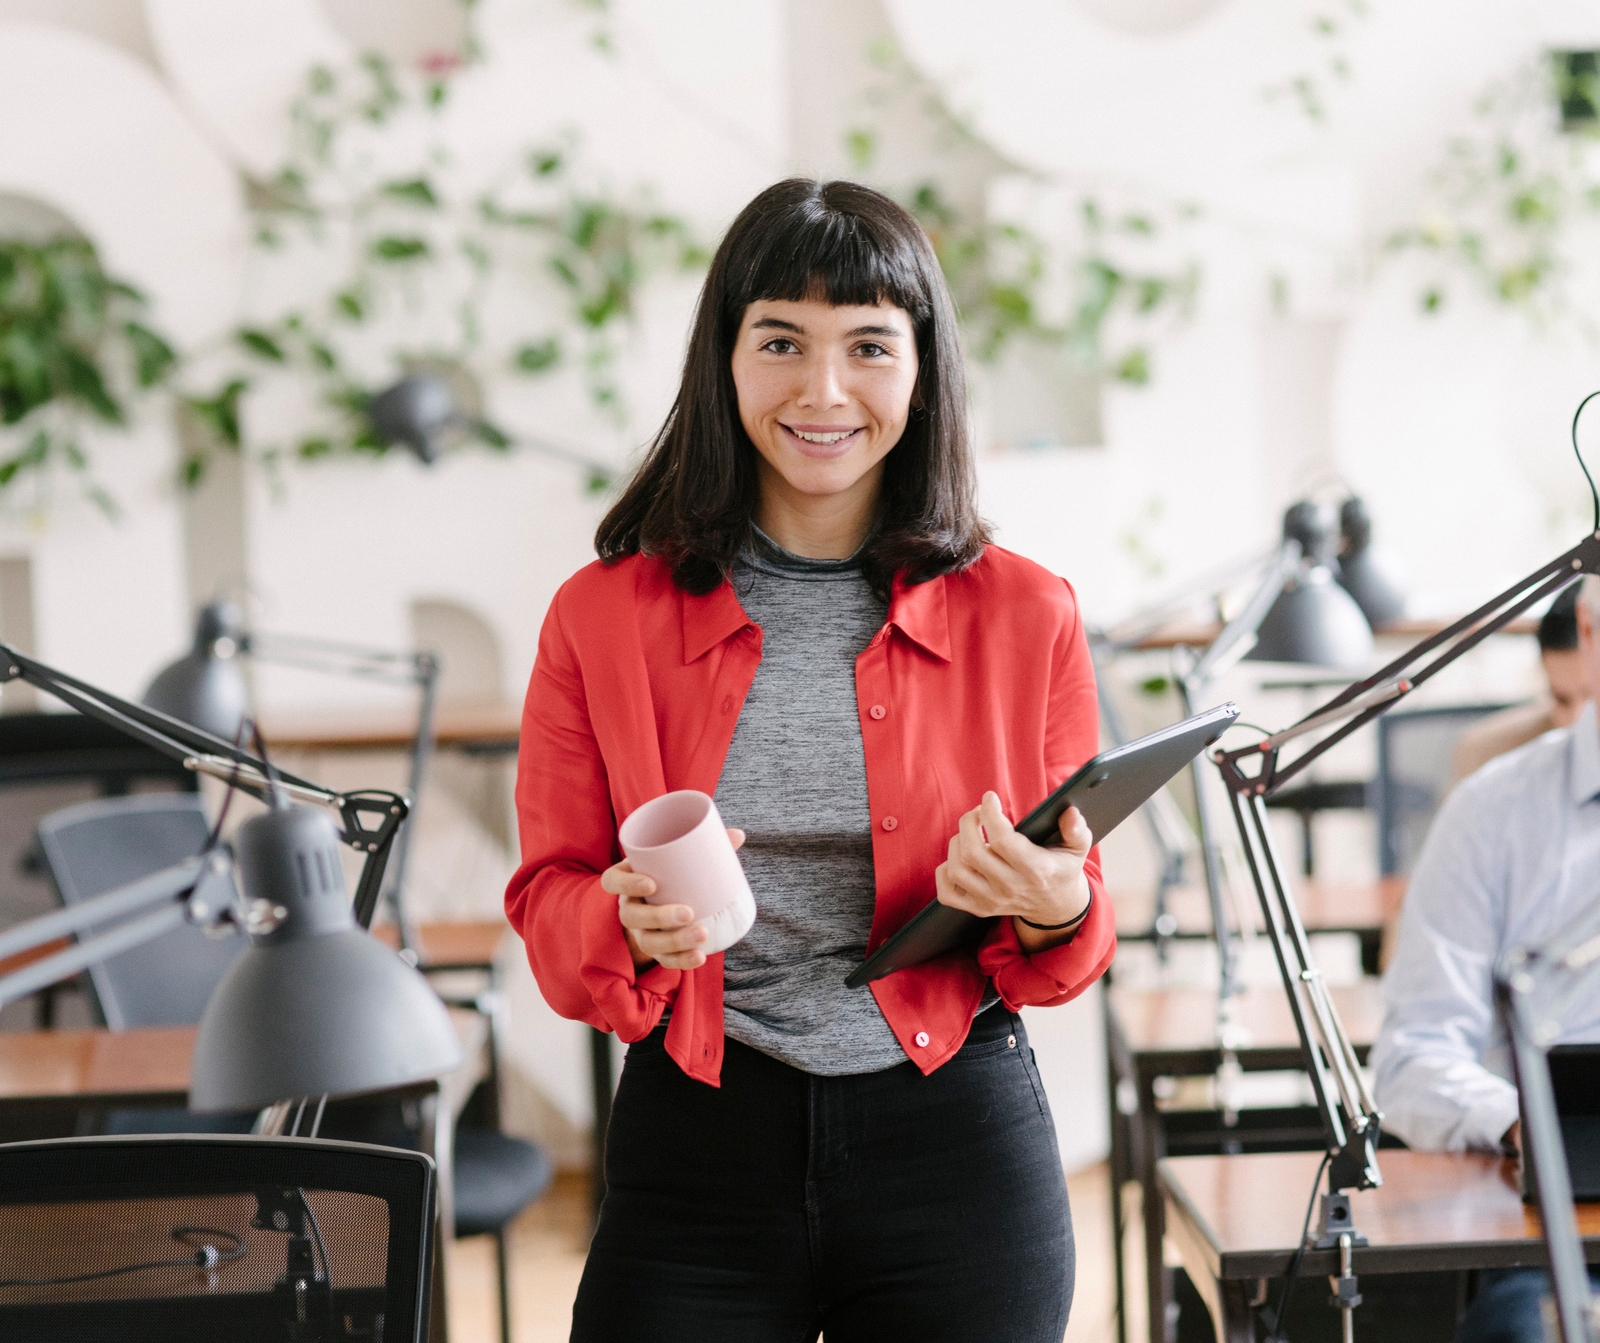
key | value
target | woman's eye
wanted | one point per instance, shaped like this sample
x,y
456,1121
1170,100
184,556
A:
x,y
871,350
780,345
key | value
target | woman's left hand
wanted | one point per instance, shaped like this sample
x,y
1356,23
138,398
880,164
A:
x,y
994,870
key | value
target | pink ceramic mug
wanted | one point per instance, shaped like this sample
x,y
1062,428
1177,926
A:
x,y
679,841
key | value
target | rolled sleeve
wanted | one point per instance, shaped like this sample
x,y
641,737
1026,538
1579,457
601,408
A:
x,y
1431,1082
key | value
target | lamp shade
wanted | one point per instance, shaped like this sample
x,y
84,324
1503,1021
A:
x,y
205,686
1314,620
1362,574
315,1005
413,412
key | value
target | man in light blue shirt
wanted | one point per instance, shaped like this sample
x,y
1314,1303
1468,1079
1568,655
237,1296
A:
x,y
1512,858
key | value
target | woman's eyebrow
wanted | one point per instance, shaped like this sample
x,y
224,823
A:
x,y
778,324
874,331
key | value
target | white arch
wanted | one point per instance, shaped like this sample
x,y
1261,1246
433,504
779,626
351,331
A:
x,y
93,133
239,63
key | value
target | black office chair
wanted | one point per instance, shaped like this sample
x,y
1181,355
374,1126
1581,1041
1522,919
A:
x,y
49,761
1416,750
213,1239
96,846
495,1176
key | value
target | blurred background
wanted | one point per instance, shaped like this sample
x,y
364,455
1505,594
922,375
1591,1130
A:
x,y
353,313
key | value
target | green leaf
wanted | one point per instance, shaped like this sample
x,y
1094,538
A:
x,y
351,303
85,383
220,413
312,448
1154,685
101,498
415,191
545,162
260,344
1432,300
862,146
1133,367
491,436
192,471
540,356
322,356
394,248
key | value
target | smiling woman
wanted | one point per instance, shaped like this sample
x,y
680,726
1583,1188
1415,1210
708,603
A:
x,y
865,340
798,611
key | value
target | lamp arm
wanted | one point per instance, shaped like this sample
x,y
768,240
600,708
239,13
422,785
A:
x,y
419,668
340,659
1518,980
1133,630
1238,635
170,736
172,887
369,818
1377,692
1350,1116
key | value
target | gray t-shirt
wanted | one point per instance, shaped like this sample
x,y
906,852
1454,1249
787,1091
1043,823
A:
x,y
796,782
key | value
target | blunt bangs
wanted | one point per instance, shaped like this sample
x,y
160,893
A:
x,y
818,252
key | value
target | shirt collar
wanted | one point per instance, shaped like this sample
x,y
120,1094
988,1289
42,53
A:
x,y
920,611
709,619
1585,756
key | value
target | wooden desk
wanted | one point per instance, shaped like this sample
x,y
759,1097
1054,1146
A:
x,y
1237,1219
452,946
1160,1033
1197,634
1363,908
488,727
66,1069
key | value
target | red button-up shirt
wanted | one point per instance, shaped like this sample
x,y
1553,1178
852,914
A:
x,y
977,680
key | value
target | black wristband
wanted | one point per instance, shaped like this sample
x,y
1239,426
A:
x,y
1062,927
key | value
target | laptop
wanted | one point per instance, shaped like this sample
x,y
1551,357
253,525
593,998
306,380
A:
x,y
1575,1079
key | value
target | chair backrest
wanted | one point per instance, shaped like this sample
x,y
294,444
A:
x,y
49,761
1416,751
107,1239
95,847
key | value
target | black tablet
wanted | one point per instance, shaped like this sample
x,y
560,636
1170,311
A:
x,y
1107,790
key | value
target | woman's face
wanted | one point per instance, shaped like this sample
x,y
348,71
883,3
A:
x,y
824,393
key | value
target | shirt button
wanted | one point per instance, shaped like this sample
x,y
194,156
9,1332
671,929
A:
x,y
921,1038
877,711
889,822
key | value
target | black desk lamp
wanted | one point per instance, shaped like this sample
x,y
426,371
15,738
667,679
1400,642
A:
x,y
1252,774
1360,573
206,687
421,412
315,1006
1533,989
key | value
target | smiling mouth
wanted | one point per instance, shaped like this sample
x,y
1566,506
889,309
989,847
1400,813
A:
x,y
823,440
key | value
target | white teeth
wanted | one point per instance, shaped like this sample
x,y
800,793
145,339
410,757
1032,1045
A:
x,y
822,438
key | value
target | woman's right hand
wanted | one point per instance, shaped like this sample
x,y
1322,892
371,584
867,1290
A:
x,y
661,934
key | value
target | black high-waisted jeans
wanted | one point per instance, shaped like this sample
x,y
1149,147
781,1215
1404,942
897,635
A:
x,y
877,1207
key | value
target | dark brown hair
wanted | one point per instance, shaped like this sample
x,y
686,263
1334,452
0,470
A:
x,y
692,499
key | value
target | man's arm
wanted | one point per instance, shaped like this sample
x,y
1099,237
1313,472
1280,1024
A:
x,y
1438,992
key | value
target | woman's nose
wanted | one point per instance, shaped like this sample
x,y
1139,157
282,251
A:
x,y
823,385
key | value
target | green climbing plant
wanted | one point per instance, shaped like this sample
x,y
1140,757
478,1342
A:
x,y
76,349
1093,288
1504,201
412,254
